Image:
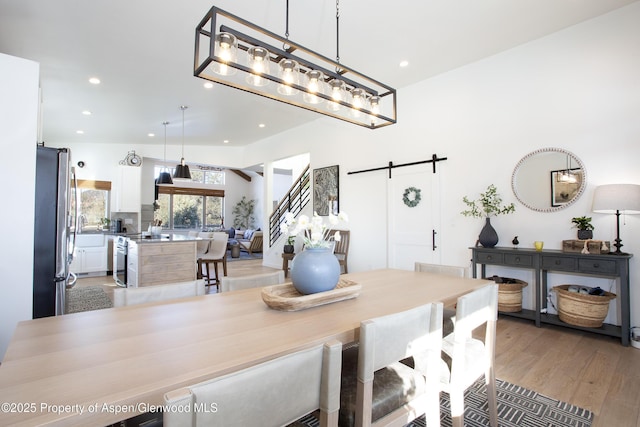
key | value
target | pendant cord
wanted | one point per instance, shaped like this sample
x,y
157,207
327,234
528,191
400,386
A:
x,y
165,140
286,32
183,107
337,33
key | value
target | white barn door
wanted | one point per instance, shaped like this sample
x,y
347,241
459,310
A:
x,y
411,229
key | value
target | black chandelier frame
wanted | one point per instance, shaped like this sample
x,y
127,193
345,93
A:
x,y
205,56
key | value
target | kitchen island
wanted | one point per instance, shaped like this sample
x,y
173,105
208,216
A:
x,y
167,258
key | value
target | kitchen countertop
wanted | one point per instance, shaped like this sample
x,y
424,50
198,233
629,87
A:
x,y
164,238
111,234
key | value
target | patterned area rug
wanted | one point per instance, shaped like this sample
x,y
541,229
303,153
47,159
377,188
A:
x,y
244,256
86,299
517,406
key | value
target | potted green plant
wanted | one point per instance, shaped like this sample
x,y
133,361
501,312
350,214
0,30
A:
x,y
105,223
289,248
489,204
584,226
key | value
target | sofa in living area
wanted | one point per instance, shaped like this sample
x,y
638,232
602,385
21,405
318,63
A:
x,y
249,240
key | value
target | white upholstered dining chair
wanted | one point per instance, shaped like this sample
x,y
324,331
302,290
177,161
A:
x,y
469,358
449,270
170,291
448,314
380,389
274,393
253,281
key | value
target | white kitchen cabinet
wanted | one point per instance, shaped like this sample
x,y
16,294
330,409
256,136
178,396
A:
x,y
127,197
89,260
90,254
94,259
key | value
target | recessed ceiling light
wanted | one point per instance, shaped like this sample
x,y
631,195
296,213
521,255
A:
x,y
226,141
94,81
208,85
79,132
151,135
86,112
404,63
261,125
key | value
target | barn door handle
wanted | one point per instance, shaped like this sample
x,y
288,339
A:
x,y
433,239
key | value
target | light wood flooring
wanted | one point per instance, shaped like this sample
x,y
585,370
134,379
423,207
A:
x,y
584,369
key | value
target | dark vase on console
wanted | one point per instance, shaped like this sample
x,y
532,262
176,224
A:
x,y
288,249
488,236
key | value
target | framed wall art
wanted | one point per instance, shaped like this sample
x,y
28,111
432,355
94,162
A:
x,y
326,190
565,185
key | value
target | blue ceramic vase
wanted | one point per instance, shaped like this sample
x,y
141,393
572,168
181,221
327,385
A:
x,y
315,270
488,236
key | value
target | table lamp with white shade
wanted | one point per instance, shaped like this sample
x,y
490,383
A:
x,y
617,199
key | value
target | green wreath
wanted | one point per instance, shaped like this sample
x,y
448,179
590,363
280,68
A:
x,y
413,201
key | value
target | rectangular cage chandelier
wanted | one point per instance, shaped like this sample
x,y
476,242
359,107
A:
x,y
234,52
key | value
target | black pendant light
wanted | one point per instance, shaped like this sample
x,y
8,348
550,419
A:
x,y
165,177
182,170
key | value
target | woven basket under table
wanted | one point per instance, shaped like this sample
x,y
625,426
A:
x,y
581,309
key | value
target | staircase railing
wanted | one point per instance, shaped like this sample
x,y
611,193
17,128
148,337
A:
x,y
294,201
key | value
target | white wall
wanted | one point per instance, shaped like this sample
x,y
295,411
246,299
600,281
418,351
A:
x,y
282,183
18,136
578,89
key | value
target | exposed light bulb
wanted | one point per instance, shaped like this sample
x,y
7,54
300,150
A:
x,y
290,73
337,94
358,101
227,48
315,85
225,52
375,104
374,107
259,63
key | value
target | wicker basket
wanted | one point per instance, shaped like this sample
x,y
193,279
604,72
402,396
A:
x,y
509,294
580,309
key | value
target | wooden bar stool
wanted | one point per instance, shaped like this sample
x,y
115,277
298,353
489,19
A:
x,y
217,253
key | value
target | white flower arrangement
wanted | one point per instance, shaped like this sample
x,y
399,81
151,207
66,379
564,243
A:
x,y
316,234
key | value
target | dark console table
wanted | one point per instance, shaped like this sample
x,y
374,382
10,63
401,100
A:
x,y
616,266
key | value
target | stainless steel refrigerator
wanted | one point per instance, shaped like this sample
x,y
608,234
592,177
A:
x,y
53,231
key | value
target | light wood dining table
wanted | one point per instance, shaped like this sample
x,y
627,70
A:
x,y
100,367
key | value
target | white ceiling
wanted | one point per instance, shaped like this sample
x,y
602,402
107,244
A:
x,y
142,50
